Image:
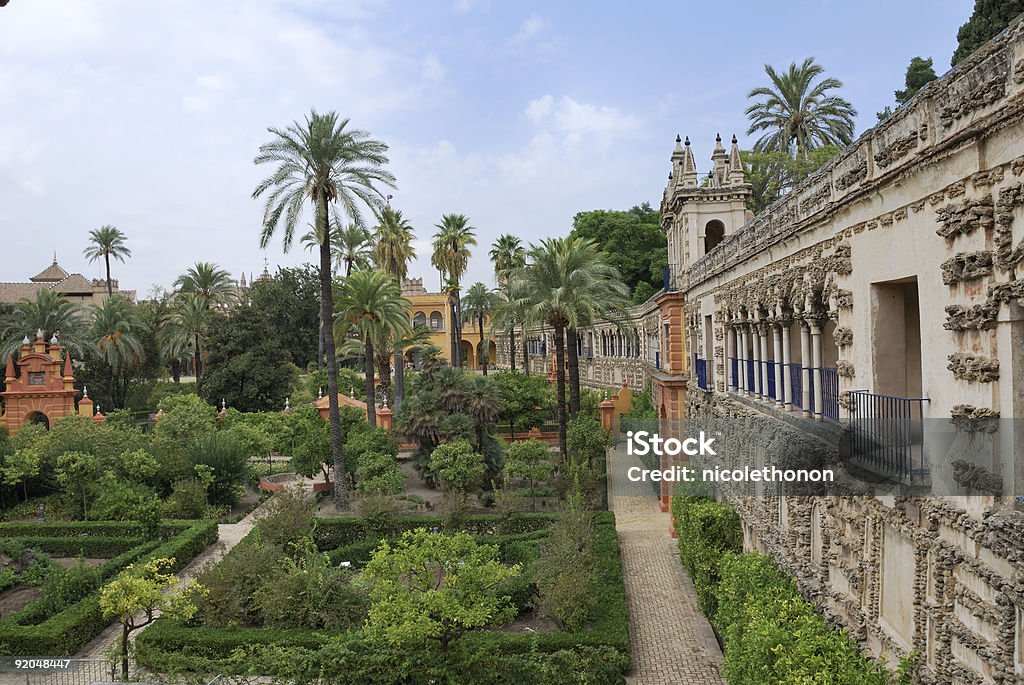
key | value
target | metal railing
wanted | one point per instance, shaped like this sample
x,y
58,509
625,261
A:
x,y
887,433
700,369
734,372
830,393
796,384
749,363
670,284
77,672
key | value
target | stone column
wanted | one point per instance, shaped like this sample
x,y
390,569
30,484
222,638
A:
x,y
730,351
762,333
816,358
777,339
787,386
805,368
755,333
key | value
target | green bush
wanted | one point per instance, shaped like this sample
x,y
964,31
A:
x,y
707,531
93,546
227,458
586,440
288,520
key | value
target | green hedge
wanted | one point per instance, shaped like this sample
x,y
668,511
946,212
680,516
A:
x,y
706,531
600,652
19,529
771,634
67,631
91,546
339,532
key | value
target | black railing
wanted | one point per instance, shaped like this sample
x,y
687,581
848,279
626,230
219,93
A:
x,y
734,370
750,374
700,369
796,385
887,434
830,393
657,360
768,379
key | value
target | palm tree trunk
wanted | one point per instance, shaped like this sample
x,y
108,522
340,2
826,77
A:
x,y
526,354
320,345
574,371
110,287
399,389
384,373
199,356
456,340
458,320
560,389
483,349
512,347
327,317
371,399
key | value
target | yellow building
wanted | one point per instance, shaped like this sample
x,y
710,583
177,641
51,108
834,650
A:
x,y
432,311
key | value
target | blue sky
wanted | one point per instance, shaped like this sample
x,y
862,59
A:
x,y
518,114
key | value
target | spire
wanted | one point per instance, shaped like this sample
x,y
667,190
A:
x,y
719,175
9,373
67,366
688,168
735,164
242,283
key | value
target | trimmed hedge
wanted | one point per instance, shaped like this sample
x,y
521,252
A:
x,y
67,631
599,654
92,546
338,532
19,529
771,634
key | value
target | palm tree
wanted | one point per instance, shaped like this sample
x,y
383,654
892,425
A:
x,y
481,304
568,283
482,403
370,304
352,248
451,256
107,242
209,281
187,327
392,250
797,114
350,244
115,329
508,256
323,161
48,313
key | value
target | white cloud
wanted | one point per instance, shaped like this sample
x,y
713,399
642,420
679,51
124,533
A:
x,y
578,122
531,27
431,68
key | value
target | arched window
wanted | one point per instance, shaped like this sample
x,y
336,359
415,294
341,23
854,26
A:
x,y
714,232
436,321
419,319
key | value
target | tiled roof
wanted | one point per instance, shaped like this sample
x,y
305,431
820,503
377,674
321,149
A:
x,y
50,274
73,284
16,292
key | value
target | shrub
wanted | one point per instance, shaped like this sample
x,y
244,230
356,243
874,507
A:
x,y
187,500
228,460
457,466
185,419
586,440
707,531
231,585
254,441
565,573
532,460
379,474
119,500
287,520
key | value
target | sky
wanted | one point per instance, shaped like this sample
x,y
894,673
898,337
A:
x,y
147,115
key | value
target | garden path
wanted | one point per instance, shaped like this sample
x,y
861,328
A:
x,y
228,535
670,640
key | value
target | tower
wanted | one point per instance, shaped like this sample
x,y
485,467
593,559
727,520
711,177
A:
x,y
40,385
698,213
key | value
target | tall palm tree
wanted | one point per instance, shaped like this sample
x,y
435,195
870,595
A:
x,y
370,304
115,330
392,250
107,241
322,161
508,256
480,305
798,114
451,256
352,249
209,281
568,283
187,327
47,312
482,403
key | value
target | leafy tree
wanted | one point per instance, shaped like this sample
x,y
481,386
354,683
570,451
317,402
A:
x,y
565,569
287,521
432,586
210,282
482,403
290,304
106,242
370,304
634,242
919,74
146,590
587,440
246,364
137,465
313,452
480,303
226,460
19,467
988,19
379,474
525,400
458,467
184,418
75,472
773,174
451,253
326,162
530,459
117,334
797,113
